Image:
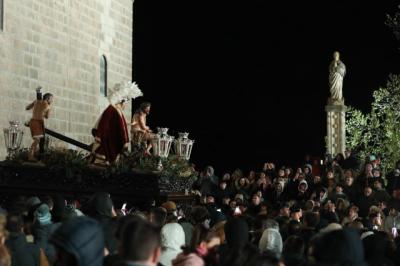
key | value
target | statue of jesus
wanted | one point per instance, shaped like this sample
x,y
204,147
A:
x,y
337,71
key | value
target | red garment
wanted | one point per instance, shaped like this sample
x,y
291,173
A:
x,y
112,133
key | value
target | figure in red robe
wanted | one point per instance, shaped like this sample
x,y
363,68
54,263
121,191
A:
x,y
111,132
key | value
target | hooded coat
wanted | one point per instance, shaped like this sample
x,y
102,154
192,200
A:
x,y
83,238
271,241
22,253
102,206
339,247
173,238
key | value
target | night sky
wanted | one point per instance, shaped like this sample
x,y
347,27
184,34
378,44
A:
x,y
249,79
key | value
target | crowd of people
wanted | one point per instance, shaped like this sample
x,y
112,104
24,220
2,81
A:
x,y
340,212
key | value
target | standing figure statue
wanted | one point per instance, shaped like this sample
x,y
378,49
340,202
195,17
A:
x,y
111,131
40,111
140,131
337,71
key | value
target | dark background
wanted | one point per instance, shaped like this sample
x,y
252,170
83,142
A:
x,y
249,79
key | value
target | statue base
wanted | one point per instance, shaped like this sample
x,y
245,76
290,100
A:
x,y
336,127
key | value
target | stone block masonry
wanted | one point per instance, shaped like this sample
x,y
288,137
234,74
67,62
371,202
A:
x,y
57,44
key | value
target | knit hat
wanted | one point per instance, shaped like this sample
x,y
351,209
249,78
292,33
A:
x,y
42,214
170,206
32,202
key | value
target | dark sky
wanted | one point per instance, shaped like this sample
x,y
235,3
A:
x,y
249,79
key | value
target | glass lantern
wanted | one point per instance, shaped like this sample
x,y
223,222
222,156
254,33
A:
x,y
13,137
162,143
183,146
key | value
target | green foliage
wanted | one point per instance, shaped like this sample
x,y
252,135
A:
x,y
71,162
377,132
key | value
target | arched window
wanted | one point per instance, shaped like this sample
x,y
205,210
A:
x,y
1,15
103,75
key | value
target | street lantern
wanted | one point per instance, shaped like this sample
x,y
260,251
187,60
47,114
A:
x,y
13,137
161,145
183,146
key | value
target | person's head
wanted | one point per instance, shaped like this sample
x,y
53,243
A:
x,y
311,219
158,216
209,170
200,215
376,219
222,185
342,204
141,243
347,153
339,247
330,206
330,174
284,210
42,214
172,236
252,175
242,181
256,200
281,173
339,188
204,238
79,241
236,232
288,171
303,186
377,184
226,200
376,172
293,247
353,211
367,191
239,198
306,169
48,97
368,168
279,186
145,107
102,204
263,209
210,199
15,224
348,173
336,56
170,207
296,213
317,179
349,181
262,175
271,241
392,211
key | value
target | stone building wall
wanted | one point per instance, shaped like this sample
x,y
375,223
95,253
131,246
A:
x,y
57,44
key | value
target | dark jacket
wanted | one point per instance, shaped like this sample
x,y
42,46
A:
x,y
41,235
83,238
23,253
102,211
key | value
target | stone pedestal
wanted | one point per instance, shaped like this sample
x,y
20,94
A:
x,y
336,131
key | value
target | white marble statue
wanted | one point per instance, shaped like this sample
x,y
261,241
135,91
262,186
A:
x,y
337,71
